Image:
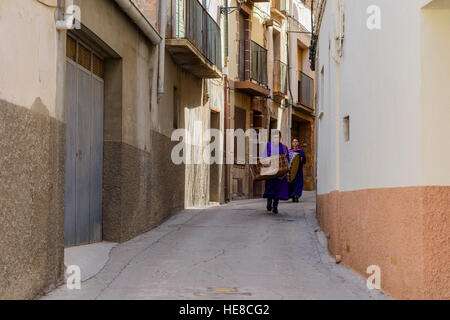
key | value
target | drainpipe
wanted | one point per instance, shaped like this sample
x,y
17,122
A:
x,y
139,19
59,12
227,111
67,24
61,63
288,48
226,126
315,36
162,46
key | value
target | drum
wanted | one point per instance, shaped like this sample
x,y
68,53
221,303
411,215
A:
x,y
272,168
294,166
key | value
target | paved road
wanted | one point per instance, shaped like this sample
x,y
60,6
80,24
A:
x,y
236,251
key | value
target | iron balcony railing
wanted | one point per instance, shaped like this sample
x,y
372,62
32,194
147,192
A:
x,y
193,22
280,5
279,77
306,90
252,62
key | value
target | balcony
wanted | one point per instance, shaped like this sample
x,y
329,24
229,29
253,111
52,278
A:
x,y
252,69
304,16
194,40
305,91
278,10
279,79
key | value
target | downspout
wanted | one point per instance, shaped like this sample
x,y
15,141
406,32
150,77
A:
x,y
315,36
139,19
61,62
291,100
162,46
226,113
59,149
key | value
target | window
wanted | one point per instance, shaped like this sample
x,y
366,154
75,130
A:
x,y
97,66
71,48
85,57
347,128
240,118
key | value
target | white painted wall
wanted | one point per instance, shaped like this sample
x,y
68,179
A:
x,y
378,82
435,68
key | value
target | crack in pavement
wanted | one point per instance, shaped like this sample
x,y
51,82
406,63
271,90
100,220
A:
x,y
144,250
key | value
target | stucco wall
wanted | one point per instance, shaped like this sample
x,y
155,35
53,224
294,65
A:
x,y
32,151
378,85
383,195
108,22
401,230
137,146
195,98
24,76
261,11
435,96
137,151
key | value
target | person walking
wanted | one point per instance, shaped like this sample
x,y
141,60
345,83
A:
x,y
276,189
297,160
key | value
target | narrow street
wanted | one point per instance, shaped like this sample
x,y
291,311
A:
x,y
236,251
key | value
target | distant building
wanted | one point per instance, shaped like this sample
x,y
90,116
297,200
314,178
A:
x,y
302,87
266,59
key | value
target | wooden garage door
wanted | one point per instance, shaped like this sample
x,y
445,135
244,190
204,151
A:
x,y
84,144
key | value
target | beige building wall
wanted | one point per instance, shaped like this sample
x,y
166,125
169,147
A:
x,y
36,74
137,159
435,96
136,197
32,151
261,12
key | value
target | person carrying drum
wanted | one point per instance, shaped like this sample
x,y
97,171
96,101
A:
x,y
276,189
297,160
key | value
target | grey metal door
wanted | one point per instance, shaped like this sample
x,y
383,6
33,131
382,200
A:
x,y
84,143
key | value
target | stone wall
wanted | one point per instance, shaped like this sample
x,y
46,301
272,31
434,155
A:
x,y
137,192
32,161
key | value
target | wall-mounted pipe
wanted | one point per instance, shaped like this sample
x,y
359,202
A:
x,y
67,24
138,18
69,18
162,46
226,109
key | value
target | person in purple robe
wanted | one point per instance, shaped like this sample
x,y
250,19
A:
x,y
296,187
276,189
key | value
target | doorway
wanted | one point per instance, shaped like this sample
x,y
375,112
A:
x,y
84,144
273,125
214,173
303,130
